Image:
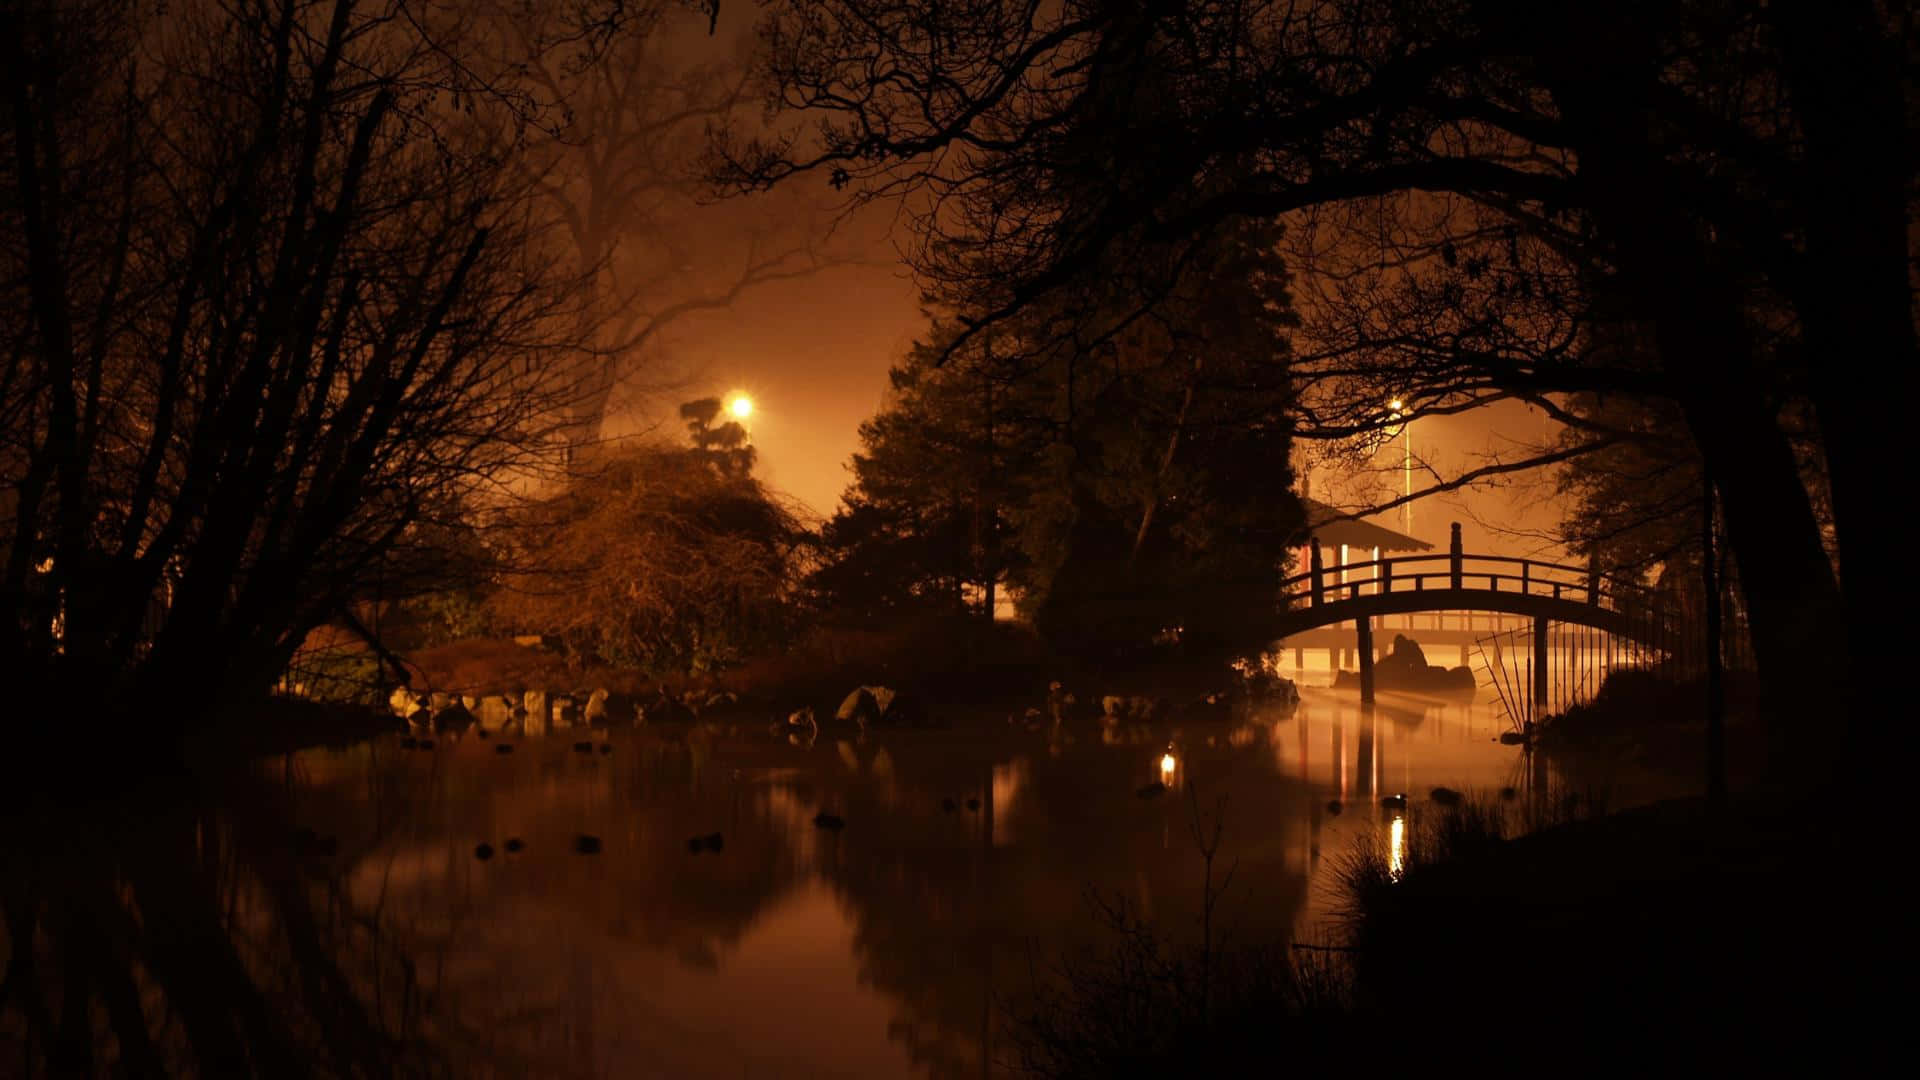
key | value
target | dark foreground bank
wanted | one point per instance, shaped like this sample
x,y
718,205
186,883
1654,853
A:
x,y
1667,938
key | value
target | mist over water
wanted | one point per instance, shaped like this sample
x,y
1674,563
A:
x,y
885,947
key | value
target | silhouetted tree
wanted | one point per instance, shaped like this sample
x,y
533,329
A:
x,y
1119,487
723,447
275,316
1717,178
616,173
922,522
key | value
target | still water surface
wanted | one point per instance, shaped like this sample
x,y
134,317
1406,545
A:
x,y
884,948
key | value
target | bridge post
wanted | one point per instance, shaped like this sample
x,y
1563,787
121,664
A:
x,y
1364,624
1539,667
1455,552
1318,568
1593,576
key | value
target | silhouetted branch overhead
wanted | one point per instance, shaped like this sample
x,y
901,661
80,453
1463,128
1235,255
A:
x,y
1504,200
618,176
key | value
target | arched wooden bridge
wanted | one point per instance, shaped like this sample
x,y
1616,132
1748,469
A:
x,y
1543,591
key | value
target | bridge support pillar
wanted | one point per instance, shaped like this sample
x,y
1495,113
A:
x,y
1539,667
1364,624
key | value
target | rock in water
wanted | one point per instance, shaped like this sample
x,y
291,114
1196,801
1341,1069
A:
x,y
514,844
405,702
1335,807
586,844
483,852
859,708
595,710
456,717
494,712
1394,802
1446,796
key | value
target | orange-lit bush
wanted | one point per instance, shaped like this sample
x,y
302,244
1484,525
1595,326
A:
x,y
672,560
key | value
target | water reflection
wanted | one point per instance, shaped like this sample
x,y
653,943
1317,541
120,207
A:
x,y
878,948
1397,846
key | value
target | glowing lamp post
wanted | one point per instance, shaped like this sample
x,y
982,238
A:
x,y
740,407
1406,468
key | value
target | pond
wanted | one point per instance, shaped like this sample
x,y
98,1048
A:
x,y
719,925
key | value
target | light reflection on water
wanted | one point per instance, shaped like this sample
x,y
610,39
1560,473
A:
x,y
1397,847
873,950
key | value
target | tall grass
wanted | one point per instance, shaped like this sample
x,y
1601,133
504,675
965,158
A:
x,y
1145,1006
1366,874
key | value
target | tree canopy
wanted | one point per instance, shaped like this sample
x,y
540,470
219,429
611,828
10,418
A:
x,y
1686,201
1120,489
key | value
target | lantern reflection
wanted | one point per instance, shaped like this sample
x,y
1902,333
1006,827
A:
x,y
1397,847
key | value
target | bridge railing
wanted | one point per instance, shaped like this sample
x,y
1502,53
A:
x,y
1494,573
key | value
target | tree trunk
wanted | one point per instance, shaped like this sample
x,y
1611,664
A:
x,y
1792,598
1844,73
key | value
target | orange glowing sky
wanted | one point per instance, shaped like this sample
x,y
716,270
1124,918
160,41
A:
x,y
814,353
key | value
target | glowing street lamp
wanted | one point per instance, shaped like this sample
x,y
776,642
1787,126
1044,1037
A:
x,y
1406,469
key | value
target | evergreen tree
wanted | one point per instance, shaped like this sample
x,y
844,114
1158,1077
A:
x,y
1120,487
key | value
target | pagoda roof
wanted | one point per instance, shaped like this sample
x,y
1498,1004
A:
x,y
1333,527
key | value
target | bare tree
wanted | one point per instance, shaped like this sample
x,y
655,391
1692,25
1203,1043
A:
x,y
619,174
278,311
